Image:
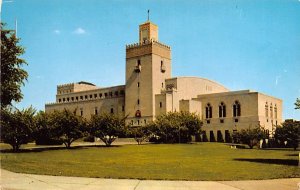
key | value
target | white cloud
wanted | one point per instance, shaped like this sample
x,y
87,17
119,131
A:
x,y
56,31
79,31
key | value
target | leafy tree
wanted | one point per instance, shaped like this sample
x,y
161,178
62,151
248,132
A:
x,y
288,132
107,127
175,127
12,74
17,126
297,103
44,132
140,133
251,136
68,126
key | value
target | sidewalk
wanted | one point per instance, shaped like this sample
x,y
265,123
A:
x,y
14,181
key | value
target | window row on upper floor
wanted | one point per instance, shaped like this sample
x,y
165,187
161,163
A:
x,y
92,96
236,110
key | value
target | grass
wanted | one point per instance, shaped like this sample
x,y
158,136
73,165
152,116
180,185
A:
x,y
204,161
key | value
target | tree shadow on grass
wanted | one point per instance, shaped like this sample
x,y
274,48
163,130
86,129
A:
x,y
292,154
42,149
287,162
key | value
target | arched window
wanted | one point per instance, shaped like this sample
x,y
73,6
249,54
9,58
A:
x,y
271,111
208,111
236,109
222,110
267,109
275,111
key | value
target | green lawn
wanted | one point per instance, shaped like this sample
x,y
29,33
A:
x,y
203,161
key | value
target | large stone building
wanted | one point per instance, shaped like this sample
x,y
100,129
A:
x,y
150,91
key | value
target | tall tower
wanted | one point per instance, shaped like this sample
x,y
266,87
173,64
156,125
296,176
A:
x,y
148,64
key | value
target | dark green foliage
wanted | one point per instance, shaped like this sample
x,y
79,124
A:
x,y
219,136
107,127
204,137
67,126
288,132
12,73
250,136
175,127
140,133
297,103
44,132
212,136
17,126
228,138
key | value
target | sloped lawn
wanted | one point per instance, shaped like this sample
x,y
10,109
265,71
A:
x,y
203,161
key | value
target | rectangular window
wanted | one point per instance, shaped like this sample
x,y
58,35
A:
x,y
81,112
105,94
208,121
86,97
221,120
123,108
76,98
116,93
96,111
95,95
64,99
81,97
59,100
236,120
112,110
138,84
138,101
100,95
91,96
160,104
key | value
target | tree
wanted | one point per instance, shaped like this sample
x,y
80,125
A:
x,y
17,126
297,103
107,127
68,126
140,133
12,73
251,136
44,132
288,132
176,127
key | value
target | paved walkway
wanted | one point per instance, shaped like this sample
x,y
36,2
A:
x,y
18,181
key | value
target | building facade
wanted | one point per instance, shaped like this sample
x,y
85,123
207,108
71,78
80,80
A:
x,y
150,90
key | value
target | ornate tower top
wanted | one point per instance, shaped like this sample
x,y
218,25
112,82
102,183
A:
x,y
148,32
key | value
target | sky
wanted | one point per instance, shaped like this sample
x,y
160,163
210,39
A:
x,y
242,44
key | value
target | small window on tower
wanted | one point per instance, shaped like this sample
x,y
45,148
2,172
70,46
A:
x,y
123,108
160,104
112,110
138,101
138,84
